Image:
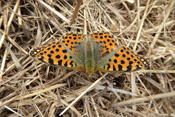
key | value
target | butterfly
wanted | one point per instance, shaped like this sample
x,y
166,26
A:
x,y
97,52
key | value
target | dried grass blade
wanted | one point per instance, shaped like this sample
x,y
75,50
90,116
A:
x,y
41,91
54,11
148,98
76,11
14,58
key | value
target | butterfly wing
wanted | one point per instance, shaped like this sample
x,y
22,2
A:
x,y
62,53
114,58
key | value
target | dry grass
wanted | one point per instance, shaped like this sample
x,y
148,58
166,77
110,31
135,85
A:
x,y
32,88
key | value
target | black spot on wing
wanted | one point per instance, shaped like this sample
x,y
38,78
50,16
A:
x,y
129,67
60,62
51,61
108,66
120,67
114,69
65,64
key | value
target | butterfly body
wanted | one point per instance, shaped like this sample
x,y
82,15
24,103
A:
x,y
99,51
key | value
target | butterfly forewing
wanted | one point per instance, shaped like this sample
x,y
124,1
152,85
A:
x,y
73,41
114,58
61,53
105,42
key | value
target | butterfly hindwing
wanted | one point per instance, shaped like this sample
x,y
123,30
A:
x,y
124,60
61,53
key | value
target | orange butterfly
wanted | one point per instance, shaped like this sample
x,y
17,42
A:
x,y
99,51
